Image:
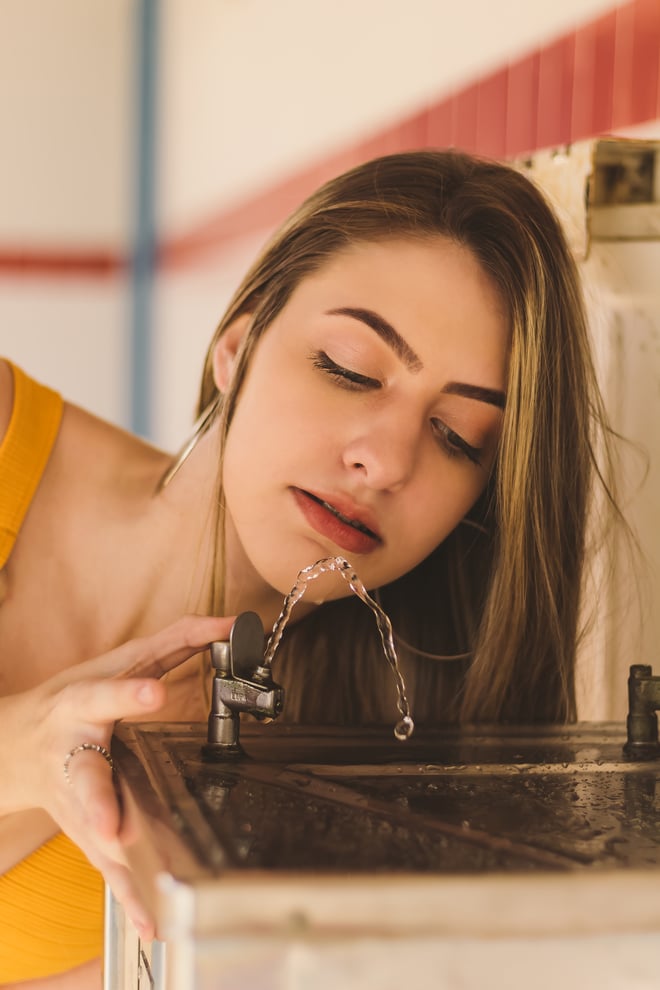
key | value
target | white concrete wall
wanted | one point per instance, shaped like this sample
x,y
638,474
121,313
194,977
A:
x,y
71,334
248,91
67,71
622,277
253,89
189,304
65,118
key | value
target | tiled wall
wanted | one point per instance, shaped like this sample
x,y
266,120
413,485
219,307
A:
x,y
601,77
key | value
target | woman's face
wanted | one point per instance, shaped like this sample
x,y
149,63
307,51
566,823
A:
x,y
369,419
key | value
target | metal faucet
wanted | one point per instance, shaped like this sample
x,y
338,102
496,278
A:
x,y
241,683
642,721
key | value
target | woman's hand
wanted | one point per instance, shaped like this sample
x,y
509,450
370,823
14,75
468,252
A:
x,y
81,705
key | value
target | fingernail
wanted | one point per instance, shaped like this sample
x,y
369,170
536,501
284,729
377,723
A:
x,y
139,922
146,694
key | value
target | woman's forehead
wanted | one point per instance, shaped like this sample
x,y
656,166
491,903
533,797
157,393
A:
x,y
412,263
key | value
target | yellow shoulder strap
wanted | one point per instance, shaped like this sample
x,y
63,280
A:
x,y
24,453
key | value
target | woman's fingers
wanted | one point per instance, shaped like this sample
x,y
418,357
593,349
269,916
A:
x,y
92,787
91,703
80,705
90,814
153,656
119,879
118,876
122,684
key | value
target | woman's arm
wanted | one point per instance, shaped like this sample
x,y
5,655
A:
x,y
81,705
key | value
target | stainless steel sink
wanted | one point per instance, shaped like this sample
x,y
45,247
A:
x,y
325,833
359,801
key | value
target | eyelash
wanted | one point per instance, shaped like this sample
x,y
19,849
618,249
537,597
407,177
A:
x,y
345,378
453,444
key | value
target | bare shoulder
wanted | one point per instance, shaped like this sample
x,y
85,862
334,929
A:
x,y
104,454
6,396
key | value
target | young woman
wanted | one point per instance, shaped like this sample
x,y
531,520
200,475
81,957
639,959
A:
x,y
403,378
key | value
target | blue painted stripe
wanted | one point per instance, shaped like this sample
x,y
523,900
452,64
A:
x,y
144,237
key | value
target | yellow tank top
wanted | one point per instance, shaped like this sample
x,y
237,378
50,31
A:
x,y
51,904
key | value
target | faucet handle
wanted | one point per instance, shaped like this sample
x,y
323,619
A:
x,y
243,655
246,645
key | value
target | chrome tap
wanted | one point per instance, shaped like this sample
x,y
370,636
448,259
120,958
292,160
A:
x,y
241,683
642,721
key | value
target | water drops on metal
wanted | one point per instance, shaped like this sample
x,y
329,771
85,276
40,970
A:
x,y
405,726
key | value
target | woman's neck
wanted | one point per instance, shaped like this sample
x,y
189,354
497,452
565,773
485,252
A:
x,y
185,520
174,539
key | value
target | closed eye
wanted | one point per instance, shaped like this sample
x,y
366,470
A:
x,y
454,445
345,377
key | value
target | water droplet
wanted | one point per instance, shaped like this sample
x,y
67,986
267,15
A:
x,y
405,728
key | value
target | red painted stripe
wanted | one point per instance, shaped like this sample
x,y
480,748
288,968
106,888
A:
x,y
602,76
646,64
492,105
522,106
622,105
260,212
606,74
30,262
555,95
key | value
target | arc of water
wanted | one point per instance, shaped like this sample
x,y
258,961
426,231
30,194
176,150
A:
x,y
405,727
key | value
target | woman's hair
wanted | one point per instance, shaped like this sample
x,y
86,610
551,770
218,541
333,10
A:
x,y
505,591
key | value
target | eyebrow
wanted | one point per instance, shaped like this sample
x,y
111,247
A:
x,y
492,396
385,331
404,351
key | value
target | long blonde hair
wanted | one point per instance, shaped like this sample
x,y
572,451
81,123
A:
x,y
505,593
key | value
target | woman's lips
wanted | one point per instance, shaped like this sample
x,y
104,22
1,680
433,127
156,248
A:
x,y
348,530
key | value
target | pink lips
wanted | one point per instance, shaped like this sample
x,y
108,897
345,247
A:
x,y
318,511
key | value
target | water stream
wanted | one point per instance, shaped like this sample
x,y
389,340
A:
x,y
405,726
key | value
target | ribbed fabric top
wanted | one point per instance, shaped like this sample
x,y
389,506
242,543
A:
x,y
51,904
51,913
24,452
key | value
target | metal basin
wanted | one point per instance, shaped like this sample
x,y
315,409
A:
x,y
329,858
516,799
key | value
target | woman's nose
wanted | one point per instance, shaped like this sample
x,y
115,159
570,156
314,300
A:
x,y
384,454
